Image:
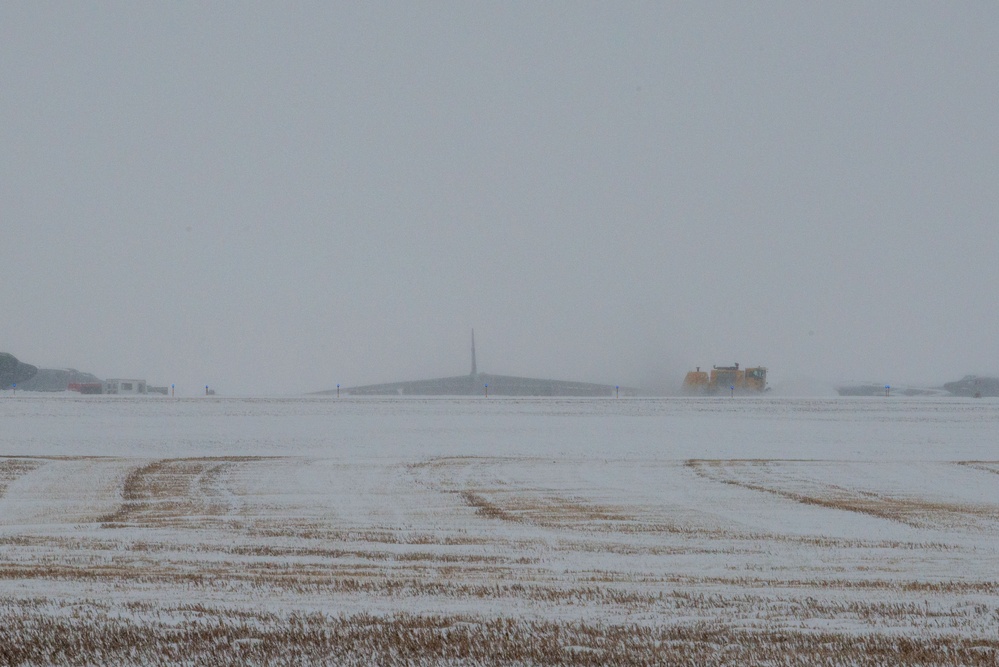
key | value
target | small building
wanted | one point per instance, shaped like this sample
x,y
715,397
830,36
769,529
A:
x,y
124,386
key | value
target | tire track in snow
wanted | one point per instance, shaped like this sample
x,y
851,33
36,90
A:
x,y
808,483
510,490
186,491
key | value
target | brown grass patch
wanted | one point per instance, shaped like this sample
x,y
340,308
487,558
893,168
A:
x,y
203,635
548,509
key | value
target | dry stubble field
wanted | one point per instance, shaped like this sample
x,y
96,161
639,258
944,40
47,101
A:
x,y
452,532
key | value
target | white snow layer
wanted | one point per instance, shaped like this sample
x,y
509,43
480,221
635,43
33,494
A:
x,y
622,510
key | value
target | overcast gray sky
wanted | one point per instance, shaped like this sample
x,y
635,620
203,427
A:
x,y
274,198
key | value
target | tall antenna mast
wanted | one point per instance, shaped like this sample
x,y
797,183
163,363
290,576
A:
x,y
474,372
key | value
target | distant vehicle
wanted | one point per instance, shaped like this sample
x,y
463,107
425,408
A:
x,y
726,378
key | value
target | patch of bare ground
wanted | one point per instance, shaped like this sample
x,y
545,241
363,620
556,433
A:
x,y
175,492
313,530
911,510
206,636
543,508
454,461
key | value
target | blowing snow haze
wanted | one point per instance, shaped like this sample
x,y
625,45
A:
x,y
279,199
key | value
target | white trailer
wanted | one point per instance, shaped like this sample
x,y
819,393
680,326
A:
x,y
124,386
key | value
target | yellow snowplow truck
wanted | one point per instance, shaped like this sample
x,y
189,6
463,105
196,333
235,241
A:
x,y
726,378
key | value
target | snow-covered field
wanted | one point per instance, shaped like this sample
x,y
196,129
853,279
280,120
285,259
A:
x,y
498,531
